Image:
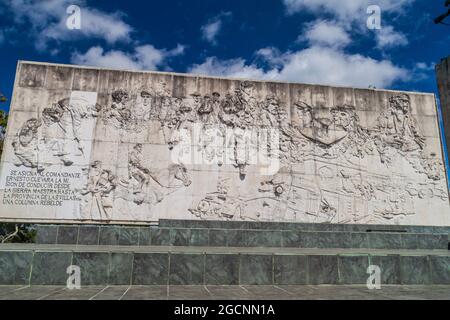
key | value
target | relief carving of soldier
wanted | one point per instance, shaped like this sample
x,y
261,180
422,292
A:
x,y
26,145
99,187
119,113
396,128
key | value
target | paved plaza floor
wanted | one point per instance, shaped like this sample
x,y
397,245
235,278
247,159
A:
x,y
288,292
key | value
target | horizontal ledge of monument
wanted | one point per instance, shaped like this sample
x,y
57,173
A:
x,y
77,222
193,75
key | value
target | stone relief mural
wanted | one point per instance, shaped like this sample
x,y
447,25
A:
x,y
236,151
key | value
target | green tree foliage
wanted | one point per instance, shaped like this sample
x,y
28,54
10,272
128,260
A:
x,y
3,123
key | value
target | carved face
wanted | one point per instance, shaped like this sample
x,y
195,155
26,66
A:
x,y
342,118
146,100
400,104
305,115
138,148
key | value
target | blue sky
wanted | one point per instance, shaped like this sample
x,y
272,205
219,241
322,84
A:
x,y
313,41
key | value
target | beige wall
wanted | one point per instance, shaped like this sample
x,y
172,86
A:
x,y
93,145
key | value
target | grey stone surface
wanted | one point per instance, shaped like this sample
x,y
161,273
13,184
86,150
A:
x,y
46,234
221,269
67,234
323,269
88,235
389,267
256,269
180,237
150,268
380,153
353,269
120,268
378,240
277,292
440,269
109,235
415,270
93,267
187,269
263,238
160,236
129,236
49,268
289,269
443,81
15,267
199,237
145,237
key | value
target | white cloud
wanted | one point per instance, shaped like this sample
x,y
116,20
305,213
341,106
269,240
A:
x,y
326,33
352,15
319,65
211,30
343,9
47,21
236,68
145,57
387,37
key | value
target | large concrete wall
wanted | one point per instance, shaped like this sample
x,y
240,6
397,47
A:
x,y
93,145
443,80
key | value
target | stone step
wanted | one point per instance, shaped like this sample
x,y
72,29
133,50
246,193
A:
x,y
144,236
31,264
174,223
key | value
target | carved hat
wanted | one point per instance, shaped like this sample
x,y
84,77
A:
x,y
145,93
195,94
119,95
303,106
402,96
215,94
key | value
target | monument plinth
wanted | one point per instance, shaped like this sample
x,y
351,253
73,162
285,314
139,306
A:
x,y
87,145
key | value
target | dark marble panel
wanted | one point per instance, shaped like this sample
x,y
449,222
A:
x,y
440,269
379,240
199,237
129,236
160,237
308,239
290,239
186,269
88,235
120,268
50,268
389,267
415,270
334,239
263,238
15,267
93,267
290,269
236,238
46,234
180,237
323,269
256,269
353,269
150,269
109,236
359,240
145,236
67,235
432,241
409,241
222,269
218,237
